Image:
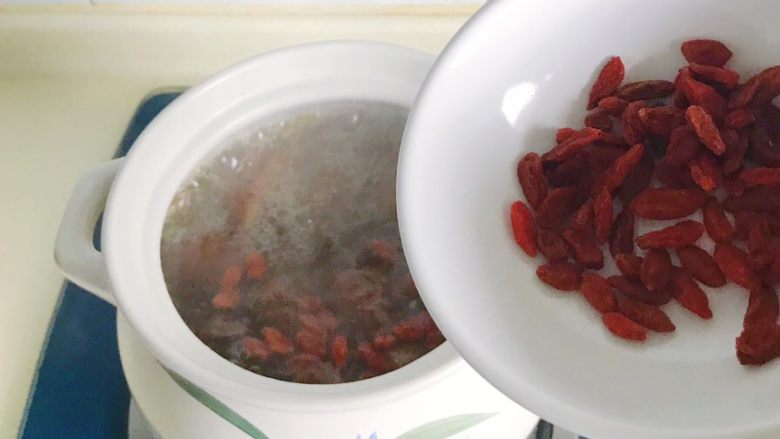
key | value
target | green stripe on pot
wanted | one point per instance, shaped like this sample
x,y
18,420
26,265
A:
x,y
446,427
216,406
439,429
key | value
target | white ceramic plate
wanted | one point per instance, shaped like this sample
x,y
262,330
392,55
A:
x,y
516,72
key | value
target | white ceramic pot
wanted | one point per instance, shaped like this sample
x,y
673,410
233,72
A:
x,y
136,192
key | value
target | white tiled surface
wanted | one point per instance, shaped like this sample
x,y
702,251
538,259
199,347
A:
x,y
70,78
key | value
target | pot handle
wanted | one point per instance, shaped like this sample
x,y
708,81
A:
x,y
74,250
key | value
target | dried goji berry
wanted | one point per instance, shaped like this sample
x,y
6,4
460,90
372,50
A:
x,y
624,164
679,99
231,277
705,171
739,118
624,327
572,145
586,249
660,121
733,185
598,184
649,316
762,306
556,208
735,152
772,276
705,128
687,292
434,338
532,179
427,321
598,292
276,341
730,137
758,343
629,265
684,145
611,139
613,105
327,321
255,348
411,329
636,290
701,94
380,254
733,262
228,295
622,238
375,361
676,236
761,177
569,172
762,146
607,82
552,245
599,119
603,216
600,158
638,179
771,117
768,89
760,254
383,342
744,93
641,90
744,220
311,342
757,199
723,76
631,124
226,299
708,52
655,269
338,351
255,266
716,223
583,217
758,232
563,276
674,177
701,265
563,133
667,204
523,228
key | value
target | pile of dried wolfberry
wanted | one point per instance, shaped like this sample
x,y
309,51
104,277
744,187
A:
x,y
664,150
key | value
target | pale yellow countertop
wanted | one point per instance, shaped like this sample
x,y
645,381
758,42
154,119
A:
x,y
70,79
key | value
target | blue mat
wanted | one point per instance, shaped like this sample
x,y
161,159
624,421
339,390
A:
x,y
79,390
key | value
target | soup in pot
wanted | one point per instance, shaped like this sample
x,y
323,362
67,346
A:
x,y
282,252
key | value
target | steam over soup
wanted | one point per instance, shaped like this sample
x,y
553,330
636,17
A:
x,y
282,252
